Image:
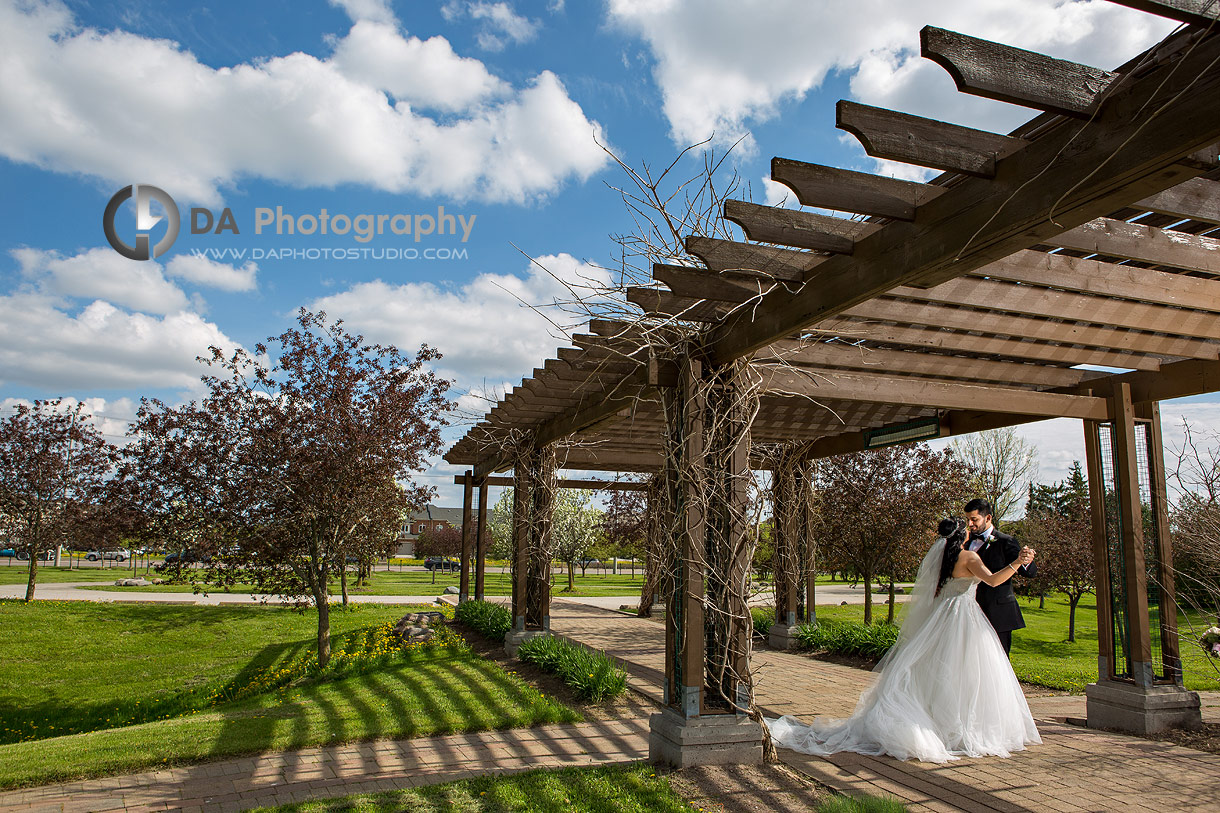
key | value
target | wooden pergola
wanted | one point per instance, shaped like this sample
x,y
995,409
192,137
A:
x,y
1070,268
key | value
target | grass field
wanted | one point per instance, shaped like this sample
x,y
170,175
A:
x,y
58,575
607,789
147,685
630,788
420,583
1042,655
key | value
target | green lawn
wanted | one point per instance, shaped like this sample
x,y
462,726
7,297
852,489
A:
x,y
147,685
420,583
1042,655
605,789
48,574
595,790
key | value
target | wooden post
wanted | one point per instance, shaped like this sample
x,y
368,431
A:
x,y
1101,552
785,518
467,537
1168,610
707,651
520,560
810,547
684,610
481,539
1131,517
542,478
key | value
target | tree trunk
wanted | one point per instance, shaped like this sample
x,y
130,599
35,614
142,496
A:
x,y
1072,599
323,628
890,619
868,596
343,582
572,577
29,588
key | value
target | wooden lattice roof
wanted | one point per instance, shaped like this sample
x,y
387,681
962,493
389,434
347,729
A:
x,y
1088,236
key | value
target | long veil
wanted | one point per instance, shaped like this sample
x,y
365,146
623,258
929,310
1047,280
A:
x,y
923,599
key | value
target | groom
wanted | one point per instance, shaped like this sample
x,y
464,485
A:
x,y
996,550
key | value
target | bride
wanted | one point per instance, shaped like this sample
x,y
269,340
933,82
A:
x,y
946,688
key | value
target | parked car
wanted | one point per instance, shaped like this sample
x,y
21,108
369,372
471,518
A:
x,y
182,557
118,555
442,563
45,556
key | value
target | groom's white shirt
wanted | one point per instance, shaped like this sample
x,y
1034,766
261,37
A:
x,y
982,540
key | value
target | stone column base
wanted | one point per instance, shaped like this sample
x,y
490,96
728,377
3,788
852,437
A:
x,y
1141,710
516,638
712,739
782,636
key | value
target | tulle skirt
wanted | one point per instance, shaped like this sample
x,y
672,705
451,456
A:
x,y
947,692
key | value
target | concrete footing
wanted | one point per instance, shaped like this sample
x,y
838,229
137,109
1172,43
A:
x,y
782,636
1139,709
712,739
515,638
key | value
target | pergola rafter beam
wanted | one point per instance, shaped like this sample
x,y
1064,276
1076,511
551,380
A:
x,y
1039,191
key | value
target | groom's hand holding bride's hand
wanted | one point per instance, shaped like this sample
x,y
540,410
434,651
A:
x,y
1027,555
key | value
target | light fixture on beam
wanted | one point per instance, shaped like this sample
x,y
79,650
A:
x,y
922,429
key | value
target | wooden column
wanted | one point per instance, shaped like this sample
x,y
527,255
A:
x,y
684,609
708,624
658,565
784,530
467,537
481,540
1168,607
1097,502
542,478
809,611
1132,521
521,533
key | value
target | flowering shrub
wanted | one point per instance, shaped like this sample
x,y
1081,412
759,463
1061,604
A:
x,y
1211,642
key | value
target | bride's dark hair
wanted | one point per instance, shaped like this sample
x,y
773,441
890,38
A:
x,y
954,532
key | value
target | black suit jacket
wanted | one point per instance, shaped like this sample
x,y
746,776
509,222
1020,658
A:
x,y
999,603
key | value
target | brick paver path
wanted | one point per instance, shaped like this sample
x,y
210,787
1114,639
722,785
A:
x,y
1075,769
315,773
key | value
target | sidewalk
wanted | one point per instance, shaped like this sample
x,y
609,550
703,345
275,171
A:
x,y
79,591
1075,769
318,773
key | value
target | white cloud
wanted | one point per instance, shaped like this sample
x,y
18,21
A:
x,y
483,329
206,272
722,64
101,273
426,73
377,11
500,24
67,96
110,416
50,349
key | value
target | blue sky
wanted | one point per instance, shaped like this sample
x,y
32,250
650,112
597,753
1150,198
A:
x,y
487,109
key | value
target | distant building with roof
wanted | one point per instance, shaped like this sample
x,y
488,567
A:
x,y
430,519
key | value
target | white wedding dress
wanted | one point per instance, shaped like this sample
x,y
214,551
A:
x,y
945,690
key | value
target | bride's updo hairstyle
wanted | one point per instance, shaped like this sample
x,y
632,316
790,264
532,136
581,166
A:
x,y
954,532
